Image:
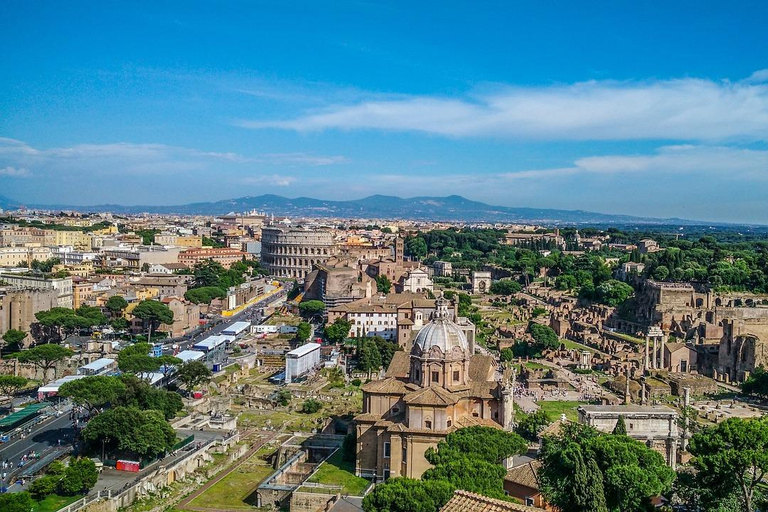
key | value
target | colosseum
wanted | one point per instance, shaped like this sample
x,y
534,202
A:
x,y
291,252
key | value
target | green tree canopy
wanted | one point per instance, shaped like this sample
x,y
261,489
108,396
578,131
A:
x,y
9,384
56,324
621,427
505,287
143,433
136,359
582,469
303,331
13,338
153,313
383,284
756,384
408,495
193,373
45,357
93,392
311,307
544,336
79,477
138,393
311,405
732,455
205,294
531,424
116,304
338,331
16,502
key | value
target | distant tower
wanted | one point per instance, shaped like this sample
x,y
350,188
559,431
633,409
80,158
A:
x,y
399,249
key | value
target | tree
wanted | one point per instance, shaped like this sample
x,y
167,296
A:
x,y
583,469
756,384
16,502
732,455
79,477
660,273
621,427
368,357
310,308
119,324
136,359
153,313
544,336
9,384
56,324
139,394
13,338
283,397
383,284
116,304
613,292
193,373
408,495
45,357
311,406
506,354
487,443
205,294
531,424
416,247
45,266
303,331
143,433
338,331
93,392
505,287
44,486
94,315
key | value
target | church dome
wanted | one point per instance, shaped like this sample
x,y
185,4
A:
x,y
442,333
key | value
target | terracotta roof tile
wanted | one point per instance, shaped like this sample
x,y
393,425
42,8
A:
x,y
525,475
464,501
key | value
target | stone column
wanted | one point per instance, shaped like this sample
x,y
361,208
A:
x,y
647,355
663,347
642,391
655,364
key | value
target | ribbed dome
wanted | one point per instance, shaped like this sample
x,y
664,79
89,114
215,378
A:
x,y
441,333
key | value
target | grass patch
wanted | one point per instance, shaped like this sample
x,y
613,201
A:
x,y
555,408
54,502
231,492
572,345
337,471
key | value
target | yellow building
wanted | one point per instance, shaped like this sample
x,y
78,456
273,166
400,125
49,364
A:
x,y
77,239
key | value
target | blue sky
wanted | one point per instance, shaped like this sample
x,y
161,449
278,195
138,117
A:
x,y
652,108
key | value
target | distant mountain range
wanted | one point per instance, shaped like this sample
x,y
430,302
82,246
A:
x,y
451,208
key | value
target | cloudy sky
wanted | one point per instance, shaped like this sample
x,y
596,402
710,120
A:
x,y
622,107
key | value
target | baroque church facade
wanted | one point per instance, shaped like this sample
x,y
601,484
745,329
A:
x,y
437,387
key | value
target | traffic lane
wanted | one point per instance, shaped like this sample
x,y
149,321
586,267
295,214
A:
x,y
216,329
46,435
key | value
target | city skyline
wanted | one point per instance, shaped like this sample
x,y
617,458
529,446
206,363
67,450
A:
x,y
640,110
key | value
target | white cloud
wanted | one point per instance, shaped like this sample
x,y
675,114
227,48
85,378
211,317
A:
x,y
270,179
140,159
681,109
14,172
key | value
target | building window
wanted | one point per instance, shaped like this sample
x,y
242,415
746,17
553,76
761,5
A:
x,y
455,376
387,449
448,423
435,376
428,425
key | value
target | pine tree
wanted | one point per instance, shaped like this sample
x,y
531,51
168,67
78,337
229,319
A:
x,y
621,427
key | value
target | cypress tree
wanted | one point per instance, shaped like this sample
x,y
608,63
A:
x,y
621,427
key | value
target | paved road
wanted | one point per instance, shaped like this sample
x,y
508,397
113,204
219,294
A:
x,y
44,436
251,313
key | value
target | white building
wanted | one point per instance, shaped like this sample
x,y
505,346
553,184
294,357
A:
x,y
98,367
236,329
416,281
190,355
301,360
